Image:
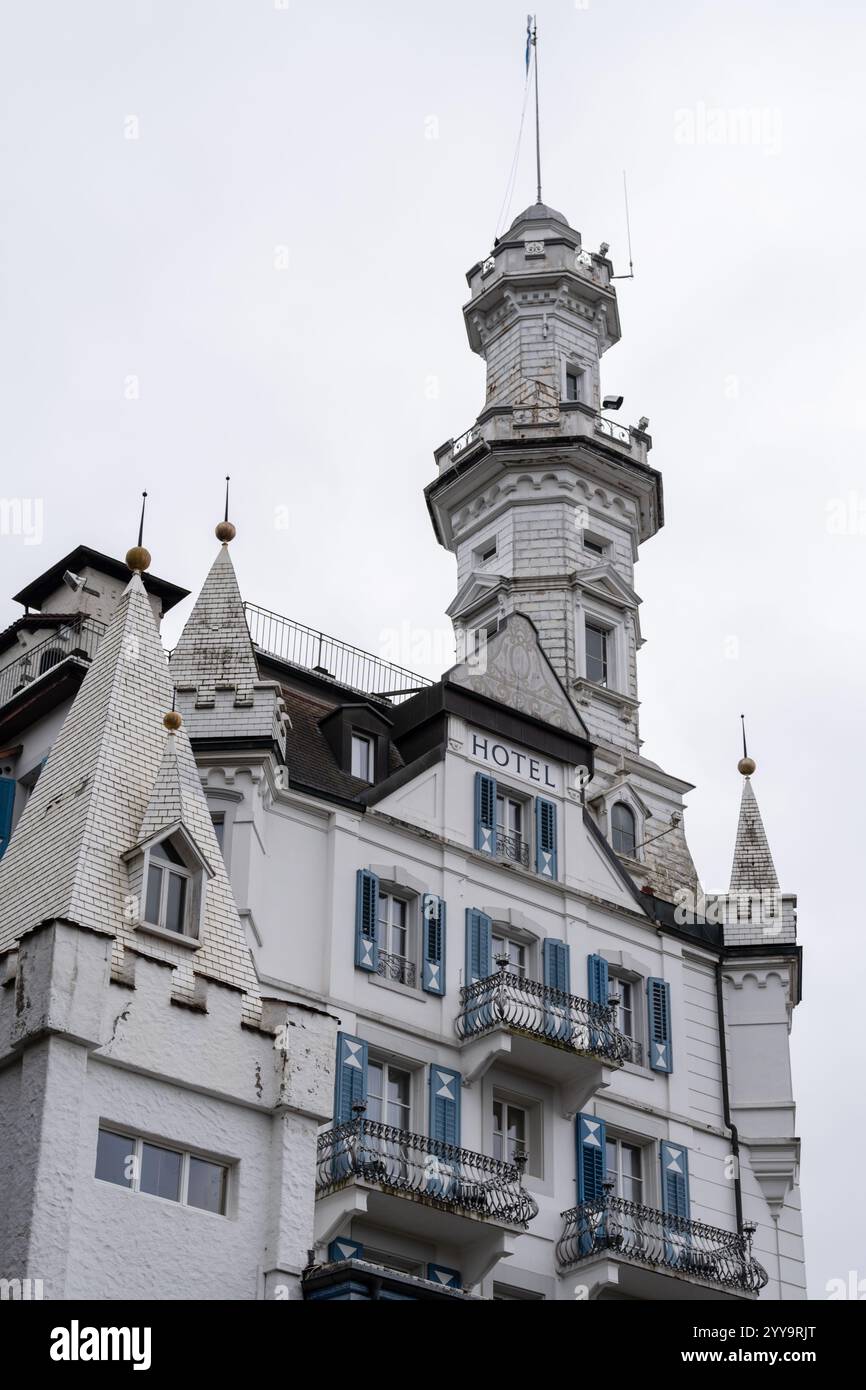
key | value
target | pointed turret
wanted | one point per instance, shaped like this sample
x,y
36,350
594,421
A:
x,y
753,870
754,910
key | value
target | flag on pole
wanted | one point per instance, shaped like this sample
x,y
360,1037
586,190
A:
x,y
528,40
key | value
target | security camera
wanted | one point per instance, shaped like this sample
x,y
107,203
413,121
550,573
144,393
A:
x,y
78,584
611,402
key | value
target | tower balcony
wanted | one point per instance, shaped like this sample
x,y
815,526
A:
x,y
48,671
422,1187
542,1030
618,1246
546,417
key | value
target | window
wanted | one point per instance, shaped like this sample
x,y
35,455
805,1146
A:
x,y
168,881
594,546
623,1017
510,1130
624,1164
362,757
597,654
622,829
219,825
487,551
514,950
389,1095
482,635
395,953
509,829
173,1174
572,384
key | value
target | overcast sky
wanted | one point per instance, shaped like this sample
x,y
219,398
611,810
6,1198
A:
x,y
234,239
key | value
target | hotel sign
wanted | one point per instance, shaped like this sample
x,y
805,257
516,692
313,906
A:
x,y
502,757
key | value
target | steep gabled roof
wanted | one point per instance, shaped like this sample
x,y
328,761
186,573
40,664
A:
x,y
215,646
753,870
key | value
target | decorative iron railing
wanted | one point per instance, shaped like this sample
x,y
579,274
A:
x,y
611,1224
464,440
620,433
78,638
542,1012
304,646
397,968
512,847
412,1165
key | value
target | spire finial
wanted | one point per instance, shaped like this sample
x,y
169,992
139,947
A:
x,y
746,765
533,20
225,531
171,720
138,558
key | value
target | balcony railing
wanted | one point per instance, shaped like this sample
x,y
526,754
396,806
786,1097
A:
x,y
397,968
541,1012
304,646
611,1225
620,433
79,638
412,1165
512,847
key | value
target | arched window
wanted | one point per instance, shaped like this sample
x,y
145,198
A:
x,y
623,829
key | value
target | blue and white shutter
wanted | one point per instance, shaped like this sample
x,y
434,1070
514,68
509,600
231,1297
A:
x,y
367,920
445,1105
351,1080
479,945
7,806
556,958
345,1249
591,1157
433,944
485,813
661,1054
675,1180
599,980
545,837
448,1278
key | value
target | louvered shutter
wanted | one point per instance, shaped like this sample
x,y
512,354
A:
x,y
545,838
444,1105
675,1180
485,813
351,1080
479,945
599,981
556,958
367,920
661,1055
448,1278
7,806
433,944
590,1135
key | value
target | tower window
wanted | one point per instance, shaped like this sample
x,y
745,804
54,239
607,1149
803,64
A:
x,y
596,547
168,880
622,827
597,655
362,757
573,383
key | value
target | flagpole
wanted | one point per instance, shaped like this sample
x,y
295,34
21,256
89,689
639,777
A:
x,y
537,126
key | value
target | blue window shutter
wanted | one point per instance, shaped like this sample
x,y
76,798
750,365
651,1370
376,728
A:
x,y
675,1180
345,1249
445,1105
367,920
591,1163
557,964
545,838
599,980
7,806
448,1278
661,1054
433,945
351,1079
485,812
479,945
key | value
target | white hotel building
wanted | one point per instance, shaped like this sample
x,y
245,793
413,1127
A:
x,y
355,986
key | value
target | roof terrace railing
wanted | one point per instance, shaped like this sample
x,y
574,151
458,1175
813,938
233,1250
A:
x,y
78,638
303,646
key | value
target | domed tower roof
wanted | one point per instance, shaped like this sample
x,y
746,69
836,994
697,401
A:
x,y
539,212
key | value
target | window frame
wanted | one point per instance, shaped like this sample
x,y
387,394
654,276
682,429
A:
x,y
644,1150
631,852
508,796
595,625
138,1142
361,736
389,895
532,1108
166,870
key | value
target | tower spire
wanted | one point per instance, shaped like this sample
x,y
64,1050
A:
x,y
138,557
225,531
532,32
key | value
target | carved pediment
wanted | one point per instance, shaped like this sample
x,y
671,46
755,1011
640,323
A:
x,y
513,670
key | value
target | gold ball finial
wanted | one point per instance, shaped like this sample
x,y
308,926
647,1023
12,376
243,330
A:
x,y
226,531
746,766
172,721
138,558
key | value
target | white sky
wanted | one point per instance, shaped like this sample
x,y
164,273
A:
x,y
306,128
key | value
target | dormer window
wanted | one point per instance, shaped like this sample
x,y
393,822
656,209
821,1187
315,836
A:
x,y
167,889
623,829
362,757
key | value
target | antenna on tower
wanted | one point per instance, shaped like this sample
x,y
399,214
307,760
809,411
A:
x,y
534,38
630,275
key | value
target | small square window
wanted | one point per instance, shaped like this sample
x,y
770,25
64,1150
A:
x,y
115,1158
160,1172
487,552
362,757
595,547
206,1187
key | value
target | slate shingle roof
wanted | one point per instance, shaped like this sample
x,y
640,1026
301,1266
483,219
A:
x,y
753,869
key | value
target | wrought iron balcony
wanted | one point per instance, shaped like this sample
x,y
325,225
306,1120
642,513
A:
x,y
512,847
412,1165
612,1226
397,968
78,638
304,646
524,1006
